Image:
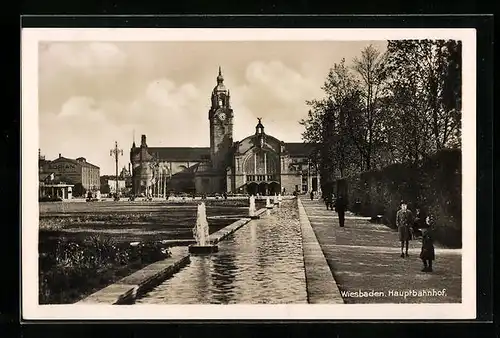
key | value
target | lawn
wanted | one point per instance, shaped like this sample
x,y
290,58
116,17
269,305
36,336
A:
x,y
135,221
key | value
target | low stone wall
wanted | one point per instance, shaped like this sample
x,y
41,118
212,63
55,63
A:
x,y
321,285
126,290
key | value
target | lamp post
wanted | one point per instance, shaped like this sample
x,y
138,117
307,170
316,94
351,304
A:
x,y
116,153
309,186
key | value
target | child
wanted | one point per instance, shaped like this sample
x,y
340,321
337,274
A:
x,y
427,255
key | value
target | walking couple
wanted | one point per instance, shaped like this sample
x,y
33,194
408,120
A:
x,y
407,227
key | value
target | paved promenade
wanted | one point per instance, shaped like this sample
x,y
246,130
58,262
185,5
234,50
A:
x,y
365,261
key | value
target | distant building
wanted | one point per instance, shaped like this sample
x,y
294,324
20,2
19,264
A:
x,y
259,163
84,176
108,184
127,177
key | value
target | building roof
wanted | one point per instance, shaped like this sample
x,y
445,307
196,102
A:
x,y
201,154
186,154
299,149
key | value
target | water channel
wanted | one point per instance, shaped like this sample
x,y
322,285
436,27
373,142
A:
x,y
261,263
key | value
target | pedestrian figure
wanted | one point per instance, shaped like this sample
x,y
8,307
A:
x,y
312,195
340,207
328,200
404,222
418,223
427,254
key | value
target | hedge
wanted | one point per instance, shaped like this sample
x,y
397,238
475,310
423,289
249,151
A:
x,y
434,185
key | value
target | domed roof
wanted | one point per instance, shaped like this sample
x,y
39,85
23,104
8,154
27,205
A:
x,y
220,88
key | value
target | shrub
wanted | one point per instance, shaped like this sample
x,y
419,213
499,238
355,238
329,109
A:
x,y
70,270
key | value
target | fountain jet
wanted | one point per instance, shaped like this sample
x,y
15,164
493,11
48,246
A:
x,y
201,233
251,208
268,203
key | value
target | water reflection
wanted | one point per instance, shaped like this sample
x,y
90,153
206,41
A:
x,y
223,276
202,281
260,263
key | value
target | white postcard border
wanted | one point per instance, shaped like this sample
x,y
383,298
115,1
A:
x,y
31,310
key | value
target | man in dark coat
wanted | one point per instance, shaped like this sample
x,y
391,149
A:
x,y
404,222
340,207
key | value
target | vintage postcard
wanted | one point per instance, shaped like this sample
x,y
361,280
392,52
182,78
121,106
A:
x,y
248,174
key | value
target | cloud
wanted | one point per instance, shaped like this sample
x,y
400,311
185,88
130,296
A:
x,y
80,69
169,114
87,57
276,93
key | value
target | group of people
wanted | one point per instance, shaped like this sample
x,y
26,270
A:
x,y
409,226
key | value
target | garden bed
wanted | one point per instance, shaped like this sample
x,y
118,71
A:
x,y
71,269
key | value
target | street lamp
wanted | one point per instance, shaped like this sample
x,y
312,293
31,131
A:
x,y
116,152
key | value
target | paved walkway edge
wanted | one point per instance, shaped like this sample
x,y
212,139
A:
x,y
127,289
321,285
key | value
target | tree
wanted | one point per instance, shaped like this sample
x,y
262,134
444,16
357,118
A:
x,y
392,107
372,73
327,124
79,190
425,83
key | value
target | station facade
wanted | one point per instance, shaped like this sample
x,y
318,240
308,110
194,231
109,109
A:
x,y
257,164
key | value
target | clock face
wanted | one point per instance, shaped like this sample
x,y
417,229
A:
x,y
222,116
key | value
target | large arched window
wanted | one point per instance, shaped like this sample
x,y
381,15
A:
x,y
262,164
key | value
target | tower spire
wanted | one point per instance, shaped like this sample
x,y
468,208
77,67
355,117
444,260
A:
x,y
220,78
133,138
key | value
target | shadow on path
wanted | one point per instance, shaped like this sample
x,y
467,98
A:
x,y
365,261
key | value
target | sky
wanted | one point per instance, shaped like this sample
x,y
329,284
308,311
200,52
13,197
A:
x,y
92,94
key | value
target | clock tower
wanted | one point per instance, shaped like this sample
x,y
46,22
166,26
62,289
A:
x,y
220,116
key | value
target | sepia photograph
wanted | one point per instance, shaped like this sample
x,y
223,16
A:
x,y
248,174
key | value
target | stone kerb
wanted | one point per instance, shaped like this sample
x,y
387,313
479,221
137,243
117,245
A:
x,y
321,285
127,289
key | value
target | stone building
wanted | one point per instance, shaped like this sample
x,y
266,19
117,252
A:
x,y
260,163
78,172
